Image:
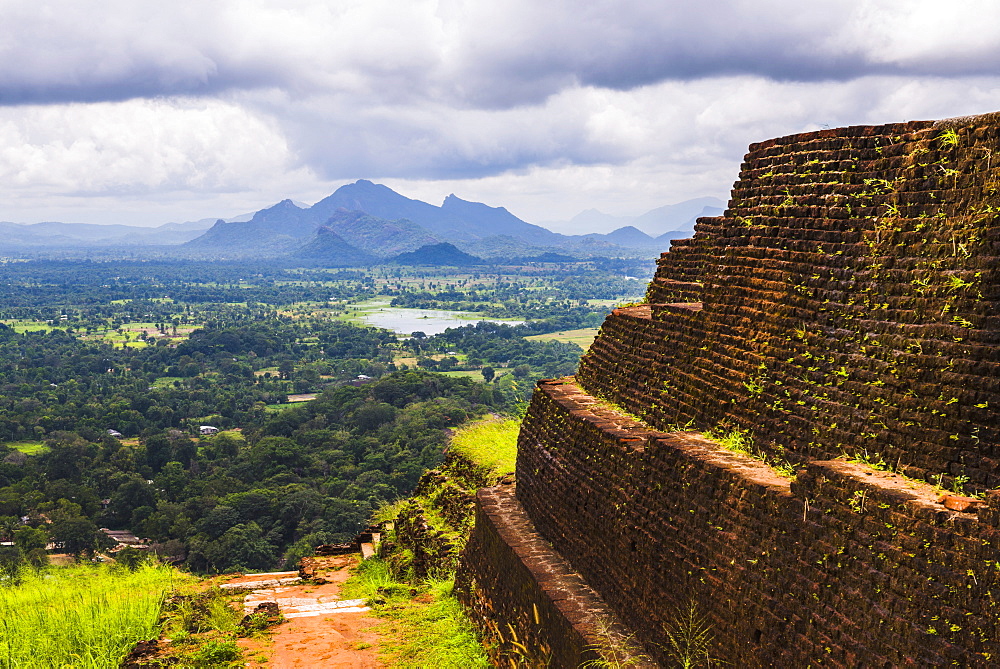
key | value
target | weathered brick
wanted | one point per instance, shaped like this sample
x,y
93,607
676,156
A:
x,y
845,304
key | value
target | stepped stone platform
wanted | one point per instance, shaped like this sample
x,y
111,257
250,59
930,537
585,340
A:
x,y
551,614
842,311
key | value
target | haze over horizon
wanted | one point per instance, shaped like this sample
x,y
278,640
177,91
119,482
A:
x,y
142,113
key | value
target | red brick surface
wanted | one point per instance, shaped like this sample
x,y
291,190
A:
x,y
841,566
532,607
846,303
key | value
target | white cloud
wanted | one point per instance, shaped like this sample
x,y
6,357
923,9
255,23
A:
x,y
139,145
678,140
550,107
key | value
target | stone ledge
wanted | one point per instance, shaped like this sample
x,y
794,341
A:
x,y
527,599
843,557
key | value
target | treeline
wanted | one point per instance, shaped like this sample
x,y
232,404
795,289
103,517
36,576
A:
x,y
303,476
53,381
501,345
64,283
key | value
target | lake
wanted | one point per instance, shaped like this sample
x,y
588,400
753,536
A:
x,y
428,321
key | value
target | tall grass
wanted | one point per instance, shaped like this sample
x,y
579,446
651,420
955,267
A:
x,y
80,616
491,442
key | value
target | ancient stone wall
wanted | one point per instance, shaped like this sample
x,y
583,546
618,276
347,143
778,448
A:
x,y
845,303
841,566
532,608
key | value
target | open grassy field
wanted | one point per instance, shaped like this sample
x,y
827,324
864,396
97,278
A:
x,y
473,374
583,337
477,375
166,381
129,335
81,616
27,447
21,326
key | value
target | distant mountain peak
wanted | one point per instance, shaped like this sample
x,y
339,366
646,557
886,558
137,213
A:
x,y
443,253
330,249
630,229
592,213
366,185
453,201
375,219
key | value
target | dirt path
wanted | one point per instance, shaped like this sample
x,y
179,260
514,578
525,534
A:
x,y
321,629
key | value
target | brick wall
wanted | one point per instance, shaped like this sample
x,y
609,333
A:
x,y
841,566
848,302
532,608
845,304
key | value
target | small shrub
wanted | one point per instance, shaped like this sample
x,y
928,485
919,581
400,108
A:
x,y
215,653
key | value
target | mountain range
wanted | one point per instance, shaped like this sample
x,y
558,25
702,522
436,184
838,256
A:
x,y
358,224
653,223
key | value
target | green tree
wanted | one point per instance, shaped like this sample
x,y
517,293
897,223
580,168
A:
x,y
79,535
31,542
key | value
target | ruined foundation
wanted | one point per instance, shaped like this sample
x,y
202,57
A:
x,y
842,313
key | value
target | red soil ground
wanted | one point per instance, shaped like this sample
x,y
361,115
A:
x,y
329,640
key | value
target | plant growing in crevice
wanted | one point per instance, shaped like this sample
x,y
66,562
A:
x,y
690,638
741,441
949,138
613,652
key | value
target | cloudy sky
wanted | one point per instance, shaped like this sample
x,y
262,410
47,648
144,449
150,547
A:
x,y
130,111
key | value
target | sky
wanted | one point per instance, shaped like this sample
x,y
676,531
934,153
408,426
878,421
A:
x,y
138,112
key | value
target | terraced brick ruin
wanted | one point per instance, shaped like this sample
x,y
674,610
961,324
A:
x,y
843,315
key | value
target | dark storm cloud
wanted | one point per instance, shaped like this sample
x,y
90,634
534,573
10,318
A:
x,y
622,46
465,53
630,99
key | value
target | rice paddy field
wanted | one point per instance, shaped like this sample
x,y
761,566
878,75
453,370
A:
x,y
87,616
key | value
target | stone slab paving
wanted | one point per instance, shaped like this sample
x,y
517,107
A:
x,y
303,601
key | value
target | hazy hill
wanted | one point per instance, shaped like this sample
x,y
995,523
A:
x,y
680,216
378,236
500,246
485,221
628,236
271,231
329,249
656,222
54,233
441,255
